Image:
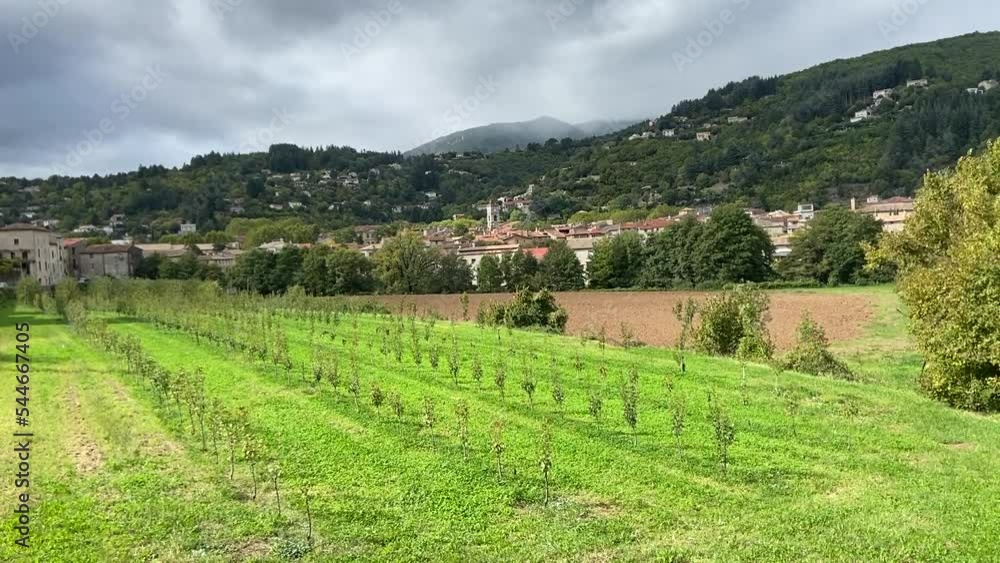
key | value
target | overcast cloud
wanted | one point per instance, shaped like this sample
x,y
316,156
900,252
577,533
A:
x,y
98,86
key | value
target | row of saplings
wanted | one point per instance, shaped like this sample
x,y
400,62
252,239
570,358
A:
x,y
229,431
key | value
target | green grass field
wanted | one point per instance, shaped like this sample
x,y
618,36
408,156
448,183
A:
x,y
820,470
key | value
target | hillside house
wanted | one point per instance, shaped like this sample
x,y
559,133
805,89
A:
x,y
861,115
35,251
892,213
921,83
974,91
880,95
737,119
473,255
703,136
987,85
806,212
669,133
189,228
108,260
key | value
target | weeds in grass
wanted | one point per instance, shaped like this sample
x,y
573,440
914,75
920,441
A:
x,y
477,370
274,474
462,417
377,396
678,416
396,404
685,313
546,460
434,355
429,417
464,300
454,360
630,399
596,405
725,434
306,495
354,388
627,336
528,386
500,377
497,445
558,392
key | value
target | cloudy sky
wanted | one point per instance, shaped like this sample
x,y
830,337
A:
x,y
98,86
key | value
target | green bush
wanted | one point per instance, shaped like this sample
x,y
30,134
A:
x,y
811,355
735,323
526,310
28,291
949,279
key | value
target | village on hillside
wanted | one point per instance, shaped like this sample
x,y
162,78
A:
x,y
38,251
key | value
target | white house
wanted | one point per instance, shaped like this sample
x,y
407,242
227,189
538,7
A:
x,y
188,228
737,119
861,115
921,83
882,94
987,85
975,91
704,136
806,211
669,133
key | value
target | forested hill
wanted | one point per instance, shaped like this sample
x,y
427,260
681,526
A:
x,y
798,143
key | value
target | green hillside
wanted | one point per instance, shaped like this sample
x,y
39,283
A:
x,y
798,144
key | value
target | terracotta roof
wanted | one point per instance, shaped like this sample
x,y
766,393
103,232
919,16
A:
x,y
71,242
25,227
106,249
538,253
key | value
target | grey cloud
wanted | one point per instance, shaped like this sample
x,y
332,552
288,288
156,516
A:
x,y
353,76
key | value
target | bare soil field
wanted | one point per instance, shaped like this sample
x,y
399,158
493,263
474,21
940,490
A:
x,y
650,314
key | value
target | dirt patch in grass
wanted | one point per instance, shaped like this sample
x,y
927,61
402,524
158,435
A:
x,y
960,446
83,450
650,314
593,507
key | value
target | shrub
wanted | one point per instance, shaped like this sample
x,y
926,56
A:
x,y
527,310
811,355
28,291
734,323
949,279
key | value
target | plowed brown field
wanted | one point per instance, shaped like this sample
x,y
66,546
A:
x,y
650,314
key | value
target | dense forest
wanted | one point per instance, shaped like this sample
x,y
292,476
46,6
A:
x,y
796,143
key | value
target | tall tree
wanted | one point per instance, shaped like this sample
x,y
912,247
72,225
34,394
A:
x,y
829,249
406,265
950,280
732,249
617,262
560,270
490,277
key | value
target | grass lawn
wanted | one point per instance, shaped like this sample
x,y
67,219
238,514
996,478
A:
x,y
820,470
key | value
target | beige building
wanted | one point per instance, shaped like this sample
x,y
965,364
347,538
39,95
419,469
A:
x,y
108,260
892,213
35,252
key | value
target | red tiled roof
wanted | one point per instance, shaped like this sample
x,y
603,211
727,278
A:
x,y
538,253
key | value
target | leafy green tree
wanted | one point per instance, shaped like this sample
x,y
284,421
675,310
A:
x,y
671,256
560,270
829,249
349,272
315,274
732,249
949,279
519,270
405,265
453,274
490,276
617,262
